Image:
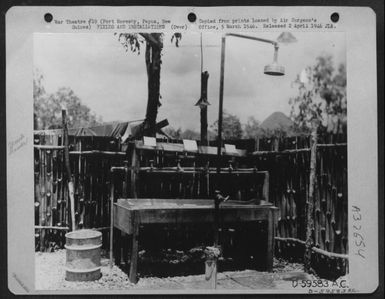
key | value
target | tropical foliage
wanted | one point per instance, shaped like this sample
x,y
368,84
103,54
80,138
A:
x,y
321,98
48,107
231,126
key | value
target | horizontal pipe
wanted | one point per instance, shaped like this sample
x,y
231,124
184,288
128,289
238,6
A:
x,y
52,227
198,169
300,150
116,168
293,151
66,228
48,147
315,249
187,170
203,168
192,171
330,254
290,239
332,145
95,152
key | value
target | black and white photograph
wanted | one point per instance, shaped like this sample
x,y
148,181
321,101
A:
x,y
250,193
191,151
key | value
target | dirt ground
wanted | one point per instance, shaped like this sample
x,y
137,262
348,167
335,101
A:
x,y
50,275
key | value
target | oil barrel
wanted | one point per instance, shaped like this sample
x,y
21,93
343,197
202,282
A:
x,y
83,255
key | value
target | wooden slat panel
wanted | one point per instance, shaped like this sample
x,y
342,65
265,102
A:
x,y
185,212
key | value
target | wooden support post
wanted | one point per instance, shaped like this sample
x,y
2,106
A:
x,y
203,117
112,221
217,201
125,247
310,200
135,248
134,169
265,189
203,103
125,181
118,246
270,241
68,169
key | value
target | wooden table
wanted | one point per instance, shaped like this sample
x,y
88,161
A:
x,y
130,214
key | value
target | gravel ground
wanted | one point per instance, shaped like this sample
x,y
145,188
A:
x,y
50,275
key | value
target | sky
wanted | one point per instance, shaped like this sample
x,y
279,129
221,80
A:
x,y
113,82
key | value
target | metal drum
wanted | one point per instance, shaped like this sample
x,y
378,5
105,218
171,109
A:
x,y
83,255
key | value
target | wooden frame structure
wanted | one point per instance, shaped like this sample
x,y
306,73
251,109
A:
x,y
130,214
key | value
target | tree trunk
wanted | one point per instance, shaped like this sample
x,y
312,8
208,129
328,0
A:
x,y
154,47
310,200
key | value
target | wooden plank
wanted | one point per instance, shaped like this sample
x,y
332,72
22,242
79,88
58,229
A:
x,y
265,190
122,219
163,203
178,147
171,147
270,241
204,214
135,248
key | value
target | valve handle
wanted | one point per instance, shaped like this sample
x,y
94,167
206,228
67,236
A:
x,y
219,197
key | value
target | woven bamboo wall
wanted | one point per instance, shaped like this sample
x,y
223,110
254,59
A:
x,y
286,159
91,177
289,189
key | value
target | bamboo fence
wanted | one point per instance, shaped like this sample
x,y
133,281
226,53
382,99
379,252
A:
x,y
289,190
91,175
173,173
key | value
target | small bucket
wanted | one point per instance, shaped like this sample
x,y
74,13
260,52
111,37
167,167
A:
x,y
83,255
